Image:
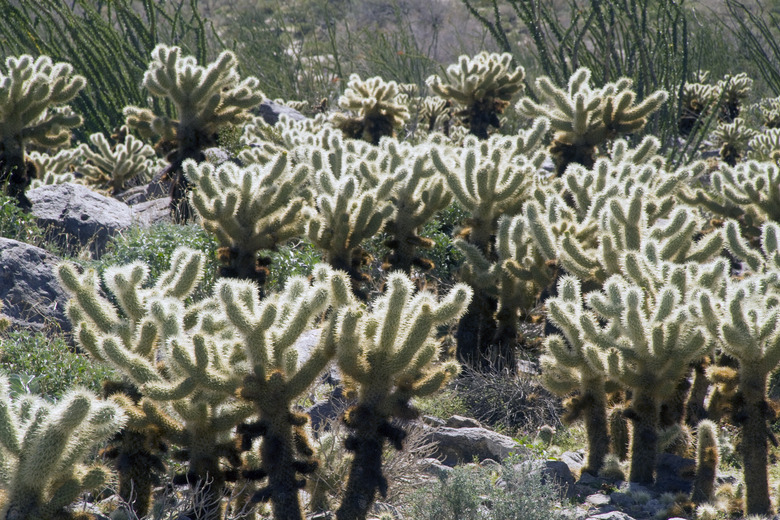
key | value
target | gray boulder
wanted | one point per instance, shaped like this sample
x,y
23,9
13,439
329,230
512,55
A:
x,y
463,445
75,217
31,294
270,111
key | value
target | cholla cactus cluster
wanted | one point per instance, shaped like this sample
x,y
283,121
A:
x,y
206,99
585,118
611,270
33,93
43,448
116,166
483,85
377,107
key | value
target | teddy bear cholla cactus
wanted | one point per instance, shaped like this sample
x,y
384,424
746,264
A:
x,y
734,138
585,118
650,336
206,99
389,354
766,146
417,195
42,449
585,220
484,85
513,278
747,192
55,169
351,205
576,361
113,167
745,325
378,111
273,378
249,210
654,334
489,179
188,398
32,111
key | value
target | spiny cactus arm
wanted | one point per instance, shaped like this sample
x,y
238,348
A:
x,y
125,283
183,276
622,116
252,320
740,248
559,379
139,368
10,433
310,304
52,443
84,289
68,492
147,124
173,429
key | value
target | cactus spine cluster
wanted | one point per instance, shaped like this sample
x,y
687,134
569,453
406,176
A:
x,y
206,99
33,93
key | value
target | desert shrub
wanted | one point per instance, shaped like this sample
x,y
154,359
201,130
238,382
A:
x,y
501,400
294,259
513,492
155,245
39,364
17,224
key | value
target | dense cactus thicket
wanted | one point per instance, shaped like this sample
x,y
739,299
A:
x,y
644,286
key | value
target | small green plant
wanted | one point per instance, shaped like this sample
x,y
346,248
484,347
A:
x,y
17,224
37,364
471,493
155,245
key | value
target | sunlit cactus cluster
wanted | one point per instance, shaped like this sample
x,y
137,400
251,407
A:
x,y
644,284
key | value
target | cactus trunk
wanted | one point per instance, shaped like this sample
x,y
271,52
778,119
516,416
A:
x,y
695,409
596,425
706,463
278,455
754,442
135,466
208,477
644,413
14,177
365,472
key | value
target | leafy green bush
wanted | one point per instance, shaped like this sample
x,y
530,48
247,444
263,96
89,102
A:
x,y
155,246
39,364
295,259
515,492
17,224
